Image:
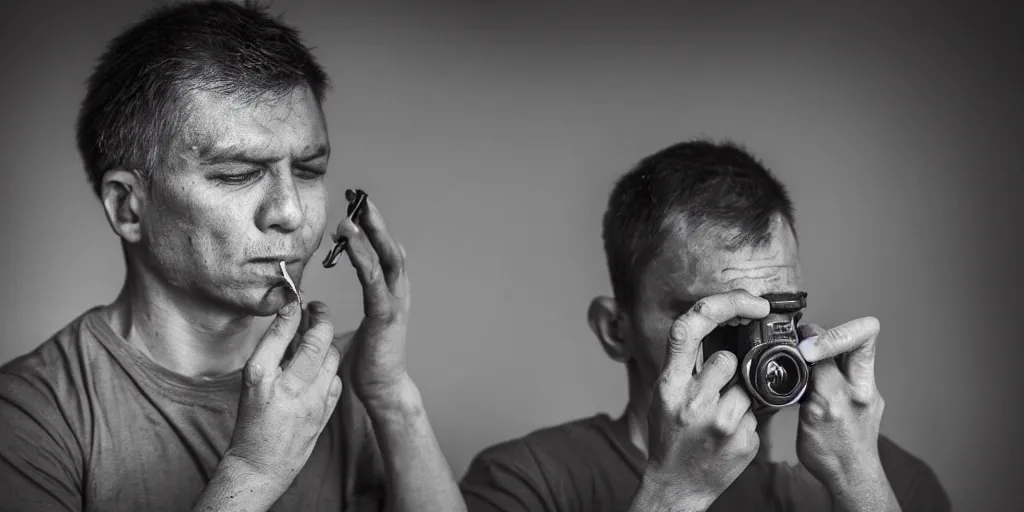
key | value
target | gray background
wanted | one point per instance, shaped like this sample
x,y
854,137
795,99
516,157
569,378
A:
x,y
490,135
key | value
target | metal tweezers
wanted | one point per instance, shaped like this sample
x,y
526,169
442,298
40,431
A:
x,y
356,201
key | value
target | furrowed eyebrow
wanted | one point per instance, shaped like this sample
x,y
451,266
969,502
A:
x,y
215,156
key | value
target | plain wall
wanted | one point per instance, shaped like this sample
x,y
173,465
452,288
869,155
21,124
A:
x,y
490,136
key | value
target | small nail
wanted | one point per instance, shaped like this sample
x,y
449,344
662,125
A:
x,y
807,347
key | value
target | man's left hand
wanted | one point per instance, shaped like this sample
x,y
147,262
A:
x,y
837,439
379,376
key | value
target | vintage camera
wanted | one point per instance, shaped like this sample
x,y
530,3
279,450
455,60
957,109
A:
x,y
771,368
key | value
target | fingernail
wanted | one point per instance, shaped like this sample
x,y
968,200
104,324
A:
x,y
806,347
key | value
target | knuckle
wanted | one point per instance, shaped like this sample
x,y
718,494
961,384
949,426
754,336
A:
x,y
720,427
310,348
254,373
691,408
664,393
863,397
738,298
834,412
878,406
681,328
815,411
291,387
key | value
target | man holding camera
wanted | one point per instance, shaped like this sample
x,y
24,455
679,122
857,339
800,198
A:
x,y
203,135
694,236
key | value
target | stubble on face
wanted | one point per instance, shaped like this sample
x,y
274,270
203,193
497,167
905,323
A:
x,y
244,181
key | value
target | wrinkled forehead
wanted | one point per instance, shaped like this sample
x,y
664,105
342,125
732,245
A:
x,y
695,263
264,128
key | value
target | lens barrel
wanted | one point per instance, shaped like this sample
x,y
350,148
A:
x,y
779,376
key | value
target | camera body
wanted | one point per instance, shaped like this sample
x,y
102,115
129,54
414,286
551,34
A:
x,y
772,370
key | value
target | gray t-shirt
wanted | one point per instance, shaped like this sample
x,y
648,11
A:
x,y
89,423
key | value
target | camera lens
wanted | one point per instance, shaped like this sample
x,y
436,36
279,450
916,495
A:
x,y
778,376
781,375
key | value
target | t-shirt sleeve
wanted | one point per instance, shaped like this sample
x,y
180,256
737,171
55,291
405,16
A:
x,y
506,478
915,484
40,462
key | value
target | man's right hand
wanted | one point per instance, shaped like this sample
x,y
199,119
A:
x,y
282,411
701,437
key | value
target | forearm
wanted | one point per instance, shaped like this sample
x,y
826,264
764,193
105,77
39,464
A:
x,y
235,487
419,477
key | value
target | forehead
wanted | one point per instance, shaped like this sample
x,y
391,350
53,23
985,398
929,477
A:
x,y
695,263
269,127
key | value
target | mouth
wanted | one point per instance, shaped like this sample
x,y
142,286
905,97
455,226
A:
x,y
276,260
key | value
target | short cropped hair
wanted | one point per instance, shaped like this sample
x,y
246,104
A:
x,y
708,184
136,99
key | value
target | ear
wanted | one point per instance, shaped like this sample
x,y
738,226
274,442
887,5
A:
x,y
123,195
607,322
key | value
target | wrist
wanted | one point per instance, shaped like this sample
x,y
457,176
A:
x,y
863,486
401,397
658,493
239,485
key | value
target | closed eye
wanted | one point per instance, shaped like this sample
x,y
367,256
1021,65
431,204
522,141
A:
x,y
310,172
239,178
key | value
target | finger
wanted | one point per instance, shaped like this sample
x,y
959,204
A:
x,y
297,337
326,373
391,257
401,287
266,358
376,295
852,335
718,370
314,347
746,434
334,390
708,313
826,382
856,339
805,331
733,405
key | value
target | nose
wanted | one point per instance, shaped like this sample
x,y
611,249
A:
x,y
282,208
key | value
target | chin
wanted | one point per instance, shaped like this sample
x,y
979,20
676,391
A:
x,y
269,303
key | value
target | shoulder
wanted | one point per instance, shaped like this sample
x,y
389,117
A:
x,y
51,372
44,413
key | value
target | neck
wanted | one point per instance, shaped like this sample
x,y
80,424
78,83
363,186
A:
x,y
635,415
185,334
